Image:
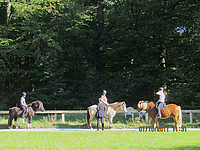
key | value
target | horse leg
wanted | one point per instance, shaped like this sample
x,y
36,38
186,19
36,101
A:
x,y
111,120
155,122
90,125
89,121
16,123
90,115
10,119
29,123
175,120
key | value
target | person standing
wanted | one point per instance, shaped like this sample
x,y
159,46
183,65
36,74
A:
x,y
161,101
100,114
23,104
105,101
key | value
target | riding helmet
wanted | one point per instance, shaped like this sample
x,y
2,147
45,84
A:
x,y
104,91
23,93
161,89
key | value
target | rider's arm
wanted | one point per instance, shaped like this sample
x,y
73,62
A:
x,y
159,93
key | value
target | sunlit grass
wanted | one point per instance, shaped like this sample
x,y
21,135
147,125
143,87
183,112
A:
x,y
100,140
79,121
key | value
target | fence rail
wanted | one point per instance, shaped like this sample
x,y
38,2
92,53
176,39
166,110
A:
x,y
63,112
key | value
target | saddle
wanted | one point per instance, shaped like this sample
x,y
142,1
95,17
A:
x,y
26,111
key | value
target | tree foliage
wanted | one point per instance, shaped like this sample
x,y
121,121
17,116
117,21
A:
x,y
65,52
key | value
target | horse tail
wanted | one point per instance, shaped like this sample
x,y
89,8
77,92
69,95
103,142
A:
x,y
180,117
88,117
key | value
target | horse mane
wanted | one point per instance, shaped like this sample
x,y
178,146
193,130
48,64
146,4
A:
x,y
29,105
150,102
115,105
35,105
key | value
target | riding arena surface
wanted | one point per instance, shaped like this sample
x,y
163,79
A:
x,y
68,130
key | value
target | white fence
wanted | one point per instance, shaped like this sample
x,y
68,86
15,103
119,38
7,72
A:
x,y
63,112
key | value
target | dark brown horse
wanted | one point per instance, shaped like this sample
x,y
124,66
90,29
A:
x,y
15,112
170,110
112,110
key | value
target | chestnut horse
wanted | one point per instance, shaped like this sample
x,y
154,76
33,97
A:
x,y
170,110
111,112
15,112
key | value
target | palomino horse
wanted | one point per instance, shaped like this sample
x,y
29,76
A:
x,y
170,110
15,112
111,112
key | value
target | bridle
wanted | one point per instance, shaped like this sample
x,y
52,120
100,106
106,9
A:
x,y
140,103
122,106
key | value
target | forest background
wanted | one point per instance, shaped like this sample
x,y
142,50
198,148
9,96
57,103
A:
x,y
66,52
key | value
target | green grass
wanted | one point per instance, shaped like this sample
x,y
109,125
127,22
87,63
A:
x,y
79,121
100,140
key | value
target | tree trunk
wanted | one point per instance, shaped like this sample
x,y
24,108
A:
x,y
8,15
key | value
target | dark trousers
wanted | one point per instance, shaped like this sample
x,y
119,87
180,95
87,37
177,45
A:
x,y
160,106
102,122
23,108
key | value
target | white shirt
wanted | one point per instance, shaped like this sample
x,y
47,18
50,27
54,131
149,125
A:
x,y
104,99
162,96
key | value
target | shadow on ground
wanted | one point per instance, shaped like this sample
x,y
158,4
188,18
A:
x,y
84,126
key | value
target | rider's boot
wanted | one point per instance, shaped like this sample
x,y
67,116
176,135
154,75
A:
x,y
23,117
102,126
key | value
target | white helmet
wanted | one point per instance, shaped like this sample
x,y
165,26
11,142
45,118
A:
x,y
104,91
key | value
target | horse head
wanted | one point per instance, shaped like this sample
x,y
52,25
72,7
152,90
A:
x,y
142,105
123,107
37,105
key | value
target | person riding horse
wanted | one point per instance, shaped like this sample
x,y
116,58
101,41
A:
x,y
23,104
161,101
105,101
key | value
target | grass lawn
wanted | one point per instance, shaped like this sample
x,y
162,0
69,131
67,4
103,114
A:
x,y
100,140
79,121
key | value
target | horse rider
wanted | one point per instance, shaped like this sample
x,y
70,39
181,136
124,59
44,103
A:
x,y
100,113
105,101
161,101
23,104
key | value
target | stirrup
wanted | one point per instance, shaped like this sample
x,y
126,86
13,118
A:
x,y
158,116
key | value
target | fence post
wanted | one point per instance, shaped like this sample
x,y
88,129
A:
x,y
63,117
190,117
